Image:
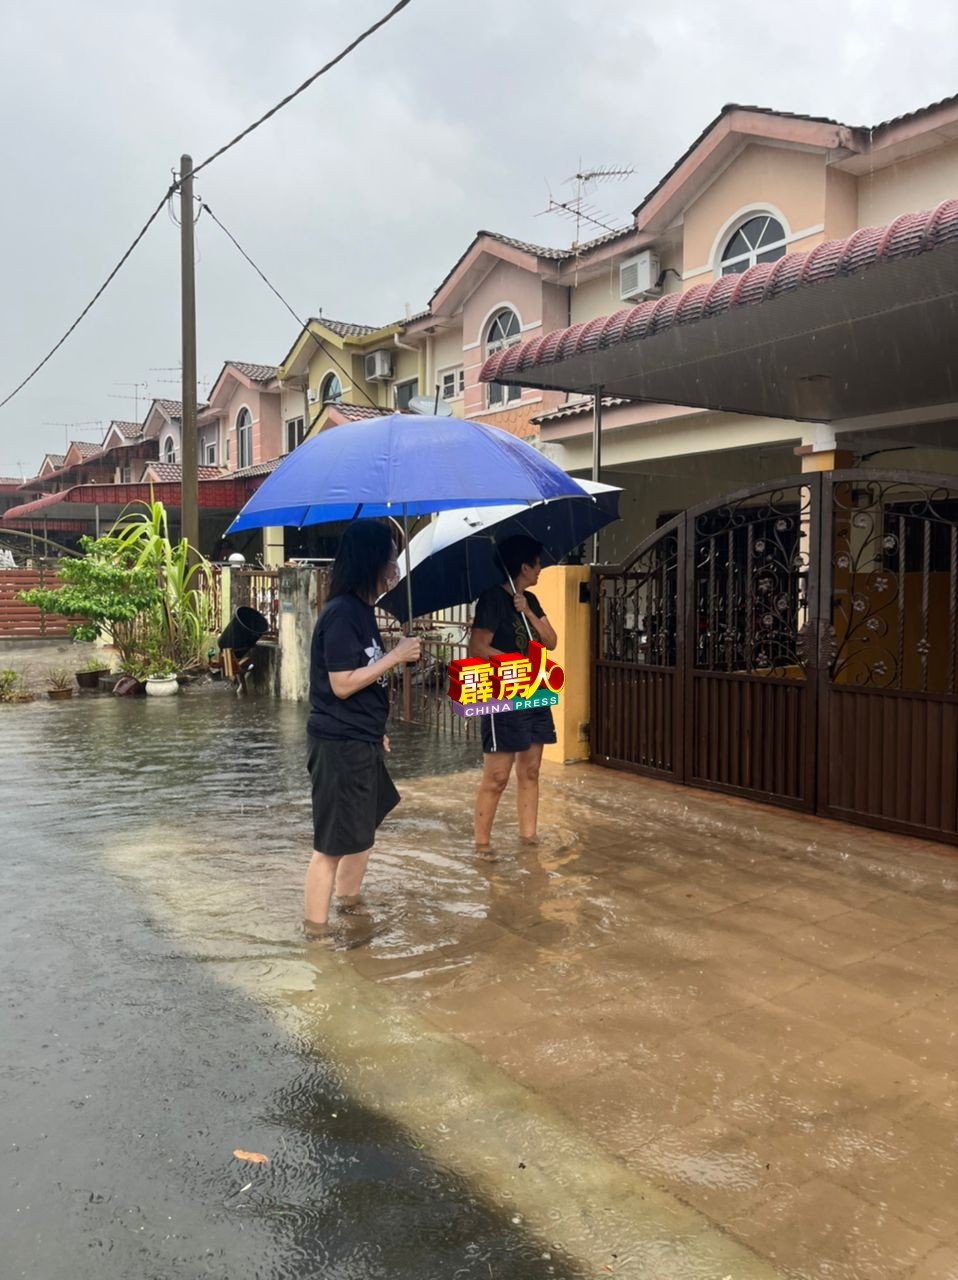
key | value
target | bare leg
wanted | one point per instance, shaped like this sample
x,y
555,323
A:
x,y
496,767
320,878
527,786
349,878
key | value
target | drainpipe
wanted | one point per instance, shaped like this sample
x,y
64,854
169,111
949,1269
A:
x,y
596,454
418,352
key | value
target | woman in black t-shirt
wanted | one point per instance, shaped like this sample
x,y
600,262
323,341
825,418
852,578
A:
x,y
348,707
500,626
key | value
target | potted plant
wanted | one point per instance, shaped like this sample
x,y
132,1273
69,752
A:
x,y
12,688
162,681
151,596
88,677
61,684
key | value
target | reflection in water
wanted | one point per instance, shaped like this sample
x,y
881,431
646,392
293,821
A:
x,y
561,1034
130,1075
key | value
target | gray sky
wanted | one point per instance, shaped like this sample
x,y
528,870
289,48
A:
x,y
359,197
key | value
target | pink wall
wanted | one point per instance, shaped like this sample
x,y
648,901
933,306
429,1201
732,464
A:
x,y
264,407
537,304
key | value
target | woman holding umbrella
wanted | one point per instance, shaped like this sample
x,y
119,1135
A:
x,y
349,703
507,617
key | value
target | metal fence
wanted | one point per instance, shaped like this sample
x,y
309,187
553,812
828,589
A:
x,y
257,589
420,690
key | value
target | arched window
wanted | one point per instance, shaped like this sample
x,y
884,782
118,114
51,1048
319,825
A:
x,y
504,331
332,389
169,449
244,439
760,239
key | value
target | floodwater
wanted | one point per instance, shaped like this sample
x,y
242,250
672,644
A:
x,y
684,1038
130,1072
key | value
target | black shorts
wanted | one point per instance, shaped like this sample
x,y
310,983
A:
x,y
352,793
517,730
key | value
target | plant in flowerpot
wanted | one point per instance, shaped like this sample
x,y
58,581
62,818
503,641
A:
x,y
162,681
151,596
61,684
88,676
12,687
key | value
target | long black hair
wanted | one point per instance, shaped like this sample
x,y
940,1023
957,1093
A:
x,y
364,551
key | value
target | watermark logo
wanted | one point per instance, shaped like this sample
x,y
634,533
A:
x,y
507,682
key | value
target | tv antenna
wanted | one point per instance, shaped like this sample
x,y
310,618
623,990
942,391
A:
x,y
136,397
68,427
178,381
580,207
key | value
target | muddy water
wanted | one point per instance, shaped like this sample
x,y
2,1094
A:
x,y
131,1070
683,1037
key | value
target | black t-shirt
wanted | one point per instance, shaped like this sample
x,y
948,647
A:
x,y
495,612
346,637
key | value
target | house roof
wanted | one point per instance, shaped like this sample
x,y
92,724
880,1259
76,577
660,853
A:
x,y
257,469
57,459
731,107
172,408
894,287
172,472
575,408
255,372
558,255
356,412
85,448
919,111
345,328
129,430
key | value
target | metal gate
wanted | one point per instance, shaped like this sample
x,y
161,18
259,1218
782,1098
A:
x,y
796,643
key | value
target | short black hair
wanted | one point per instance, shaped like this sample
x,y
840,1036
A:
x,y
519,550
364,551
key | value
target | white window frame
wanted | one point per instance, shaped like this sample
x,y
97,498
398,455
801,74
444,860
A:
x,y
209,453
406,382
169,450
457,373
735,223
299,432
244,439
324,383
497,395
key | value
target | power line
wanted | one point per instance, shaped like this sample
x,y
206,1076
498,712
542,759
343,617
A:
x,y
96,297
304,86
302,324
175,185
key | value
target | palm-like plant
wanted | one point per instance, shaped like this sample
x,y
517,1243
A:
x,y
184,580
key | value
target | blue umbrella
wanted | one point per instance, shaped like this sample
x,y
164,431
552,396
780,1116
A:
x,y
401,465
455,558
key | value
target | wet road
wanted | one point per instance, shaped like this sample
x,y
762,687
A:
x,y
129,1072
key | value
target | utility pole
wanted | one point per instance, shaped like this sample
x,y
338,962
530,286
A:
x,y
189,487
596,454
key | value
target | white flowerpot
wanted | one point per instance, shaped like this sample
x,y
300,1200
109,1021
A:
x,y
161,686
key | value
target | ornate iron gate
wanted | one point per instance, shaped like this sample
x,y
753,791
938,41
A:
x,y
796,643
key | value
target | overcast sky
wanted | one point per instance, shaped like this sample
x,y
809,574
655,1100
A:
x,y
359,197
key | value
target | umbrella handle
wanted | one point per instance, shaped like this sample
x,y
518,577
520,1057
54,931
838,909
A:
x,y
405,533
515,593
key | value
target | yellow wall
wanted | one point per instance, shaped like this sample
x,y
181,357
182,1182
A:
x,y
919,183
356,390
791,181
558,593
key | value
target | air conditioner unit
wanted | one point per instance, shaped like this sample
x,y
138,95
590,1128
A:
x,y
378,366
312,395
639,276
